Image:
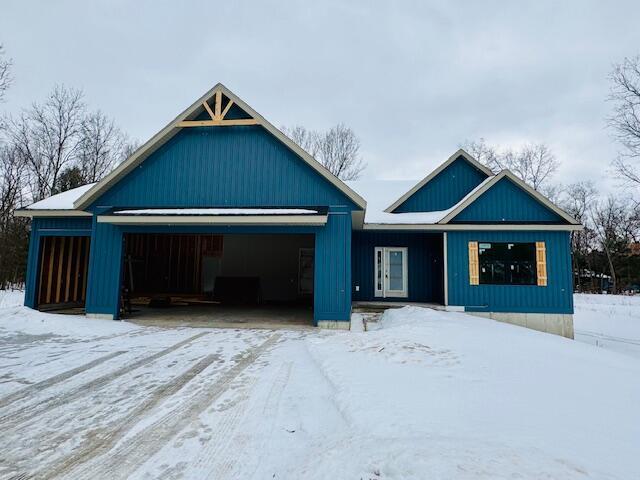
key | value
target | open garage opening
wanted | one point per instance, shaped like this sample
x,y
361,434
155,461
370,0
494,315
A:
x,y
218,279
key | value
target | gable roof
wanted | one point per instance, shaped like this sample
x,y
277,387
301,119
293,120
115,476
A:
x,y
433,174
190,113
490,182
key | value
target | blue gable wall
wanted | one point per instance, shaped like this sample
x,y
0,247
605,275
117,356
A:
x,y
224,166
507,202
424,258
445,189
556,297
242,166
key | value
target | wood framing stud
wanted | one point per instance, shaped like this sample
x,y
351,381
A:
x,y
218,105
226,109
474,270
217,123
217,115
208,109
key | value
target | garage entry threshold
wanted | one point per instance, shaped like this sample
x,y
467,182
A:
x,y
219,316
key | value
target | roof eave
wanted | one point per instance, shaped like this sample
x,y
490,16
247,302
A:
x,y
472,227
172,129
30,213
528,189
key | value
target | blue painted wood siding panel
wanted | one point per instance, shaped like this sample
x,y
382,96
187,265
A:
x,y
506,202
32,266
445,189
332,295
105,264
332,276
556,297
50,226
424,264
225,166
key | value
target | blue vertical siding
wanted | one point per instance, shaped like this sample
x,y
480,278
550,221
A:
x,y
48,226
332,295
332,277
232,166
556,297
236,167
424,264
33,258
105,266
445,189
507,202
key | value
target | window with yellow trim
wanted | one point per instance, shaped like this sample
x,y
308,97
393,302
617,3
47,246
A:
x,y
502,263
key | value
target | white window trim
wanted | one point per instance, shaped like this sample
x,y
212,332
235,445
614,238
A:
x,y
385,293
378,292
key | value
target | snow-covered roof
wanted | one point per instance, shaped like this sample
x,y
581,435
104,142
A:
x,y
218,211
379,194
61,201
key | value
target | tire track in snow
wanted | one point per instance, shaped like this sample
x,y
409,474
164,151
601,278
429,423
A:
x,y
102,441
225,453
15,419
135,451
36,387
602,336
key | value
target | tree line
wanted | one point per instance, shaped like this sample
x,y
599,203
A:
x,y
49,147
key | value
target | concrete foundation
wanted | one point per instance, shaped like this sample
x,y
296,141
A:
x,y
100,316
334,324
555,323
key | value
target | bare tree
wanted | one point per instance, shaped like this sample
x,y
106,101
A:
x,y
102,145
578,200
12,171
482,152
306,139
5,73
47,137
338,149
615,225
13,231
534,163
625,119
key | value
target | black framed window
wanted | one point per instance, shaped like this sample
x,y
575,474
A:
x,y
507,263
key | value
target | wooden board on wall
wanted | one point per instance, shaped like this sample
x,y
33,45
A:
x,y
167,263
62,273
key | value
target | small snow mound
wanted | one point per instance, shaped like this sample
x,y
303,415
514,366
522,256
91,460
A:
x,y
11,298
406,316
32,322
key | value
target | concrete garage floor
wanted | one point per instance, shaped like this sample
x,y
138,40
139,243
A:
x,y
224,316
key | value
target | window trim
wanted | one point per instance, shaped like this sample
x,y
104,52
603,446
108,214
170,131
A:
x,y
536,279
383,292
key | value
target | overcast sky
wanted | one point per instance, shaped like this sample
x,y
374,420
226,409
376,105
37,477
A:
x,y
413,79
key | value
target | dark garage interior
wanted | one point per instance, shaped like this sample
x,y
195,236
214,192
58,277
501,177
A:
x,y
212,278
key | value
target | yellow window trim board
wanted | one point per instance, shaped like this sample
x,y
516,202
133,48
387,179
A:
x,y
474,264
541,264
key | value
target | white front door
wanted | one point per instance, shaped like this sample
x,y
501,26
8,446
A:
x,y
390,272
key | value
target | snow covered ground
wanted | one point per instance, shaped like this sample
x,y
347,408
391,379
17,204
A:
x,y
426,394
608,321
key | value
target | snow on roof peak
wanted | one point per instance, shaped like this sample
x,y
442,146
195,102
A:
x,y
61,201
379,194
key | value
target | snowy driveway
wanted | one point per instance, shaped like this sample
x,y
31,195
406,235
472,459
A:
x,y
428,395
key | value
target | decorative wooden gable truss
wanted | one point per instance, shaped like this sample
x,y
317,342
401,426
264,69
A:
x,y
218,114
